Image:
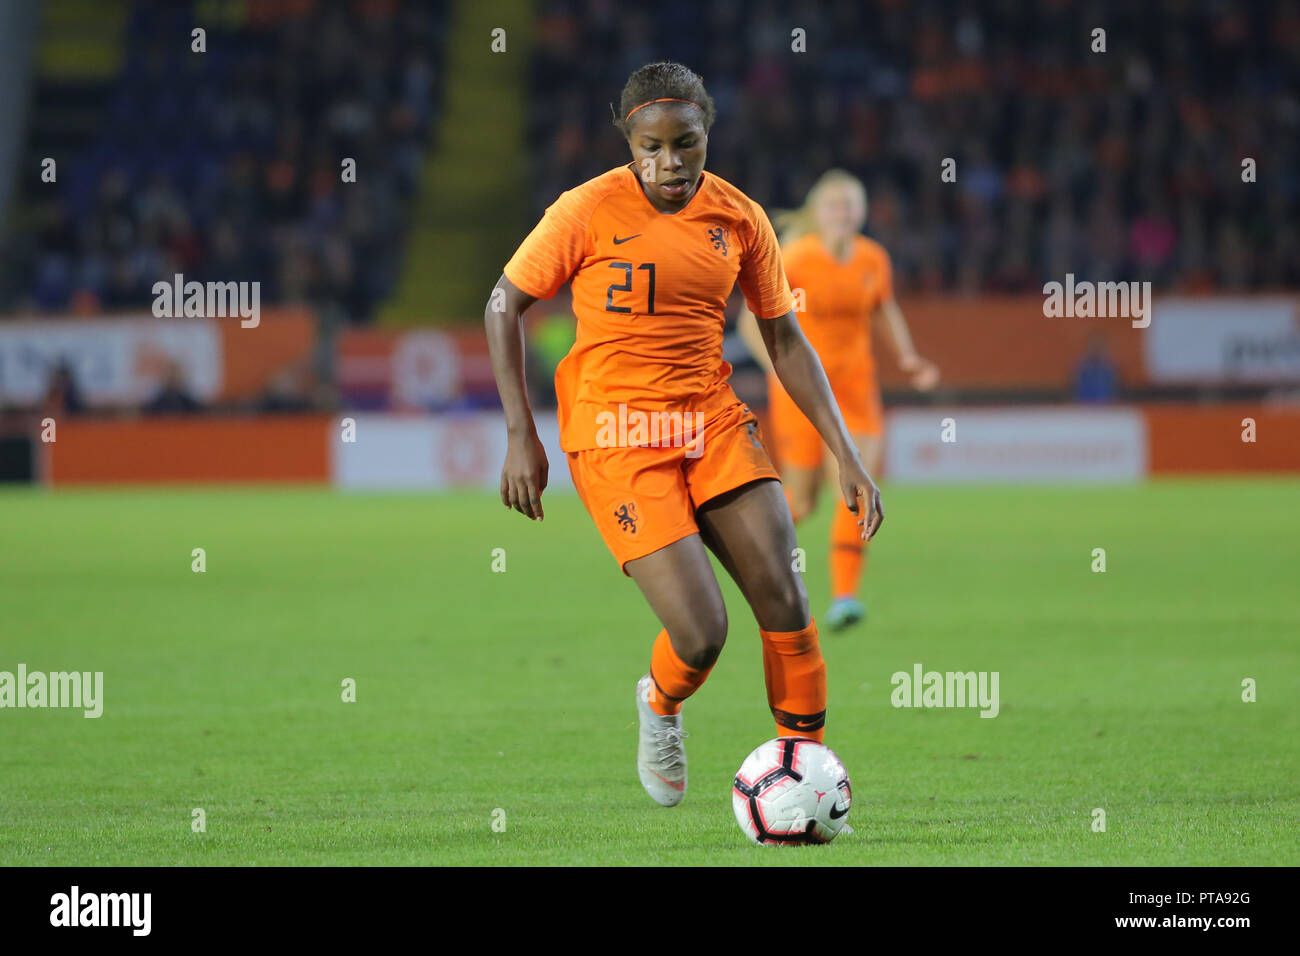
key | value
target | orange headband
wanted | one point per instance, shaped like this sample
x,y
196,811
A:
x,y
666,99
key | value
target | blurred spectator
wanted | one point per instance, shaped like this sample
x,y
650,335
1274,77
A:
x,y
172,397
63,395
288,391
1096,379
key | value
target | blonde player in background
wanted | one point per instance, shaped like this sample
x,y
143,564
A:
x,y
848,288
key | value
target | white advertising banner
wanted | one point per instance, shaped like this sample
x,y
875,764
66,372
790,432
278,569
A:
x,y
1224,341
435,451
112,360
1015,445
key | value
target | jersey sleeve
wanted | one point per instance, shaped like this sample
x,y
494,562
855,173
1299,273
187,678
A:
x,y
793,260
552,252
762,276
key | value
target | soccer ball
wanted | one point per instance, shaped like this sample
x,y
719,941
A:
x,y
791,790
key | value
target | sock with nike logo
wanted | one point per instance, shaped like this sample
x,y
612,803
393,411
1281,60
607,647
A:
x,y
796,681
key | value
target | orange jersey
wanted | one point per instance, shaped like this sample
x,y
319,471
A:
x,y
649,290
839,299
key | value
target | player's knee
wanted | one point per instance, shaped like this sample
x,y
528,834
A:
x,y
700,643
784,601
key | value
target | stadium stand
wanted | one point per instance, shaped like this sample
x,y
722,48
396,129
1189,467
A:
x,y
1059,150
226,163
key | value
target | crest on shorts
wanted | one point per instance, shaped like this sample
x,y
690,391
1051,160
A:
x,y
626,516
719,236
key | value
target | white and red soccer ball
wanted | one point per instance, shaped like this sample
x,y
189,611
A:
x,y
792,790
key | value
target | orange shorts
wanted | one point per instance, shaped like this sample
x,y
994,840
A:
x,y
644,498
797,442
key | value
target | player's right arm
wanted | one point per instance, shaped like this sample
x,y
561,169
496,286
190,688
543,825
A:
x,y
544,262
524,474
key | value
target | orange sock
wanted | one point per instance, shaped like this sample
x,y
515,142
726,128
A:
x,y
846,552
796,681
672,680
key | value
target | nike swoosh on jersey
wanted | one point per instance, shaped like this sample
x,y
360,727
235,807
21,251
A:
x,y
619,242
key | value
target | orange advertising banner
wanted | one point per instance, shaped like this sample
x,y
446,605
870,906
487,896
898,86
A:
x,y
252,357
291,448
1241,437
999,343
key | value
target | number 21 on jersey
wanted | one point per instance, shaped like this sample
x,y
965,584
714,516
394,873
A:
x,y
626,286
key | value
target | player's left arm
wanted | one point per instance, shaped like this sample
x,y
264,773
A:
x,y
801,374
923,373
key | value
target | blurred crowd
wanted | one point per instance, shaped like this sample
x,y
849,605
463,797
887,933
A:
x,y
1116,165
226,165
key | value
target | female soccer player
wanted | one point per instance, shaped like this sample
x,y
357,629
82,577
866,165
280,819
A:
x,y
664,456
847,284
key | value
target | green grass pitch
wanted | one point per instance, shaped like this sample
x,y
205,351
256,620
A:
x,y
480,691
